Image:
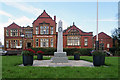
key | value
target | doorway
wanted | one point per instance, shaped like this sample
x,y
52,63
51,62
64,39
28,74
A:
x,y
28,45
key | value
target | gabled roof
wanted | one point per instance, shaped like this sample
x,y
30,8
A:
x,y
74,27
102,34
14,25
71,27
43,15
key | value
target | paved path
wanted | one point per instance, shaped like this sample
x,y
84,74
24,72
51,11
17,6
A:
x,y
47,63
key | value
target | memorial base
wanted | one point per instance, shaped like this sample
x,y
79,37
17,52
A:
x,y
60,57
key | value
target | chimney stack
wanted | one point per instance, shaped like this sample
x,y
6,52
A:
x,y
54,18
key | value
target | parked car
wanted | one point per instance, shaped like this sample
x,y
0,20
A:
x,y
92,52
108,53
2,52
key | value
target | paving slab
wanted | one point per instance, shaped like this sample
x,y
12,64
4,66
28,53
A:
x,y
71,63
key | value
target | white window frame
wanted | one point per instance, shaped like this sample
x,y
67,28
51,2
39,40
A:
x,y
37,30
7,33
21,43
51,30
37,42
85,41
108,45
7,44
73,41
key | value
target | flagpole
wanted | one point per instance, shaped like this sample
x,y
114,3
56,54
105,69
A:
x,y
97,41
97,21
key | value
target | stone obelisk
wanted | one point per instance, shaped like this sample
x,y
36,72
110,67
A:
x,y
60,56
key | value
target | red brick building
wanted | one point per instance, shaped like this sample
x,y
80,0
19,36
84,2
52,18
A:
x,y
12,36
75,38
43,34
44,31
104,39
28,37
13,39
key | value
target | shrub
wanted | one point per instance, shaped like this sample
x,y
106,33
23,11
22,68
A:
x,y
99,53
70,51
77,53
28,52
117,53
112,50
40,52
47,51
85,51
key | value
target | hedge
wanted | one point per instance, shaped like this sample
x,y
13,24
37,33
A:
x,y
70,51
117,53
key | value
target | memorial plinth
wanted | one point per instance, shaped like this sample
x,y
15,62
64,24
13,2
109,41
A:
x,y
60,56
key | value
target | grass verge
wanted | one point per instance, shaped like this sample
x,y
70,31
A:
x,y
10,69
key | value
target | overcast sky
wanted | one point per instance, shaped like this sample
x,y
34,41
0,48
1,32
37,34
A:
x,y
84,14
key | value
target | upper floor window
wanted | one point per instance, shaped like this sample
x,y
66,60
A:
x,y
44,30
47,30
20,31
86,41
51,30
14,32
7,33
28,34
37,30
73,41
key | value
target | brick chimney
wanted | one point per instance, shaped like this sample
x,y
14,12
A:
x,y
54,18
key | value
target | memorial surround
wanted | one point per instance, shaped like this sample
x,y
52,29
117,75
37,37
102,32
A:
x,y
43,34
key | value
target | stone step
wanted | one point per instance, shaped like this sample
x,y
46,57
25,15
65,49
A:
x,y
60,54
60,60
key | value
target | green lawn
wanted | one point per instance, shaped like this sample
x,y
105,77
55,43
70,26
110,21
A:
x,y
10,69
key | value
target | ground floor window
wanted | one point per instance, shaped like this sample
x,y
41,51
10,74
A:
x,y
108,45
21,43
37,43
85,41
7,44
14,43
51,43
73,41
44,42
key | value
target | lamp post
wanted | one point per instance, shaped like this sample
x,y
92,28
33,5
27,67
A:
x,y
97,41
22,40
